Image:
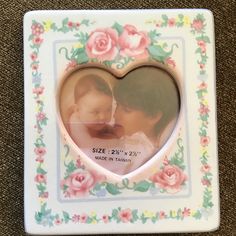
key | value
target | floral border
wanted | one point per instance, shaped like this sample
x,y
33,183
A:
x,y
94,185
45,216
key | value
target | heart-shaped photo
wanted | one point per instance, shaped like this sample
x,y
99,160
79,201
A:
x,y
119,122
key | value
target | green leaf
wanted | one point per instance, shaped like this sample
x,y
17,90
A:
x,y
41,187
143,219
112,189
65,187
108,63
178,162
82,57
66,216
142,186
164,17
65,21
85,22
135,215
65,29
43,208
197,215
97,187
30,37
70,167
118,28
198,50
199,94
164,24
206,39
165,45
38,217
53,26
153,35
179,24
154,219
200,17
115,213
89,220
158,53
181,16
41,171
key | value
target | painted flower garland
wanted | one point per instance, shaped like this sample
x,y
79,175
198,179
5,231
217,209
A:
x,y
117,46
45,216
78,181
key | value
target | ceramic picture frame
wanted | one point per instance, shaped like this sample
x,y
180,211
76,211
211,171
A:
x,y
120,122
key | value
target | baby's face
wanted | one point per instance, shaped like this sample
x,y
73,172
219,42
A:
x,y
94,109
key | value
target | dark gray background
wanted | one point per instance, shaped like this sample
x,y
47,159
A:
x,y
12,104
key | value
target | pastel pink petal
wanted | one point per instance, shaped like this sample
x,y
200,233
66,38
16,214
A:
x,y
113,35
109,55
94,35
130,28
160,180
123,40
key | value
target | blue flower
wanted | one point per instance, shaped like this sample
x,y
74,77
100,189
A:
x,y
202,77
36,79
101,193
153,190
206,212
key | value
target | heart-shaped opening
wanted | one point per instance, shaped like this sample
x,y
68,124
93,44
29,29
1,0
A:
x,y
119,121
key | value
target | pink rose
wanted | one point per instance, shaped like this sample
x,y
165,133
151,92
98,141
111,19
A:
x,y
37,29
38,90
40,178
186,212
169,178
125,215
165,161
162,215
71,64
202,45
202,66
37,40
39,159
34,66
80,182
170,62
33,56
41,116
70,24
203,110
206,182
40,151
205,168
83,218
204,141
133,43
58,221
75,218
203,85
43,195
78,163
197,25
171,22
102,44
105,218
